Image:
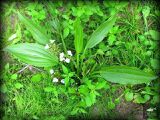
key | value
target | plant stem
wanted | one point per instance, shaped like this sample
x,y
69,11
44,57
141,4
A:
x,y
146,24
84,52
81,62
78,63
64,45
93,68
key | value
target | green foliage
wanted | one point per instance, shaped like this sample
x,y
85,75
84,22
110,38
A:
x,y
101,32
14,76
111,105
79,84
36,11
67,76
38,32
129,96
48,89
18,85
155,63
33,54
126,75
154,34
36,78
141,99
78,41
146,11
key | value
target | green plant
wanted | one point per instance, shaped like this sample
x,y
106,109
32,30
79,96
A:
x,y
82,75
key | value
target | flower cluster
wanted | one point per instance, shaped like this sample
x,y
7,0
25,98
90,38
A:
x,y
55,80
47,45
62,56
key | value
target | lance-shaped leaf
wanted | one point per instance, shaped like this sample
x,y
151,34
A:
x,y
126,75
37,32
33,53
101,32
78,36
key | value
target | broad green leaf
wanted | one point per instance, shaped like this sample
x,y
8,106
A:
x,y
18,85
155,63
126,75
114,30
111,105
103,46
49,89
78,36
146,97
139,99
14,76
71,74
90,99
100,33
37,32
64,68
72,90
100,85
93,97
83,89
33,54
36,78
111,39
89,84
100,52
155,99
149,91
117,101
154,34
67,81
129,96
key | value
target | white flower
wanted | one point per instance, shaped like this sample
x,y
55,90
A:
x,y
47,46
55,80
62,58
69,52
12,37
52,41
51,71
150,109
61,54
62,81
67,60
